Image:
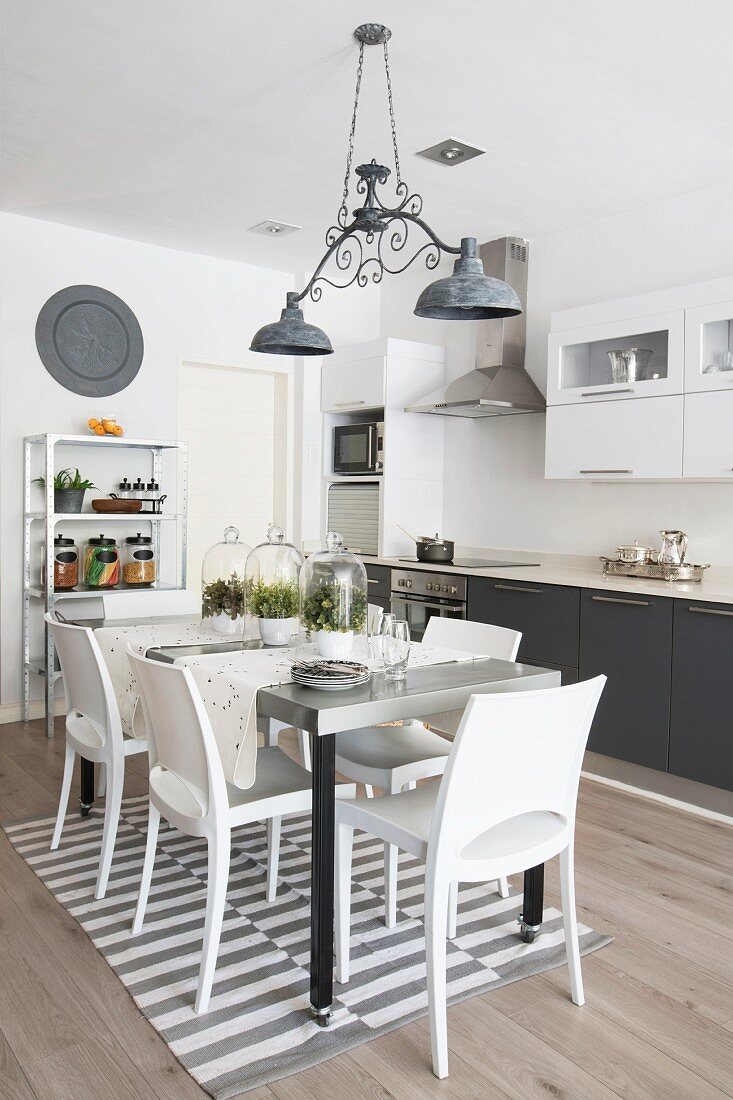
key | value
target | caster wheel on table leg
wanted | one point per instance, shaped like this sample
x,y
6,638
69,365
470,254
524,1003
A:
x,y
528,935
84,810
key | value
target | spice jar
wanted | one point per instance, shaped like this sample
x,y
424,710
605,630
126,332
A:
x,y
138,562
65,564
124,490
101,563
138,490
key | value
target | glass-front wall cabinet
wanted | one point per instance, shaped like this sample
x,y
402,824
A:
x,y
709,347
642,357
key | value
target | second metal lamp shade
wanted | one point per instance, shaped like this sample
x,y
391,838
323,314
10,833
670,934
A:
x,y
468,294
291,335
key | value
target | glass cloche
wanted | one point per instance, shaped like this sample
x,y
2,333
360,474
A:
x,y
272,577
333,604
222,585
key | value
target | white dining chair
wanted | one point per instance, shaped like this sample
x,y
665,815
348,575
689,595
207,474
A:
x,y
531,744
93,731
394,758
188,788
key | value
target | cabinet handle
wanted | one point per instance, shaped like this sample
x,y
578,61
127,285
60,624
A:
x,y
516,588
605,471
346,404
616,599
709,611
606,393
370,581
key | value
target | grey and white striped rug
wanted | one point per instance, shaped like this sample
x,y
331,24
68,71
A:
x,y
259,1029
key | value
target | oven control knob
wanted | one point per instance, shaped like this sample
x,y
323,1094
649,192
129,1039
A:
x,y
429,586
401,582
453,590
445,587
408,584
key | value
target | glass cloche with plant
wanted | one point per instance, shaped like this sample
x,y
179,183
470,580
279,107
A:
x,y
333,604
272,577
223,585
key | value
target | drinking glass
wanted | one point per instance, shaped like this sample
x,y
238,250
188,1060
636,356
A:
x,y
379,626
395,648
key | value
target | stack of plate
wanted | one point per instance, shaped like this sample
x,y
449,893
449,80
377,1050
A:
x,y
329,675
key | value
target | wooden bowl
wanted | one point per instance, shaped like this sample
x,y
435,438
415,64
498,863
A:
x,y
107,505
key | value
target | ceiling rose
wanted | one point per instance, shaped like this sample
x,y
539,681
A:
x,y
375,241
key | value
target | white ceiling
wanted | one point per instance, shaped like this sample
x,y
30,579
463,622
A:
x,y
184,122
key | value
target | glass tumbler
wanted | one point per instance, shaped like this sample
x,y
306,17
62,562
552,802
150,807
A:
x,y
395,649
379,626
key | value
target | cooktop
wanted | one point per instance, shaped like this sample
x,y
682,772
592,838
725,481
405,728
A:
x,y
474,563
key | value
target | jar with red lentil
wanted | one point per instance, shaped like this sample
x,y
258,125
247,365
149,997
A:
x,y
65,564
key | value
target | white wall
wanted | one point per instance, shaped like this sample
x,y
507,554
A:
x,y
496,494
189,307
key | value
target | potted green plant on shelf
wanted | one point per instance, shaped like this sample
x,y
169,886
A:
x,y
333,613
68,490
222,605
275,606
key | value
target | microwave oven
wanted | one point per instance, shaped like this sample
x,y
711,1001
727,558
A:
x,y
358,448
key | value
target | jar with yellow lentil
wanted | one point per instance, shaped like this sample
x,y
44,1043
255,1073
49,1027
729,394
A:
x,y
138,561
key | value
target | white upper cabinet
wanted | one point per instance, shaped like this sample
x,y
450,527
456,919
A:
x,y
709,347
348,386
587,364
615,441
708,436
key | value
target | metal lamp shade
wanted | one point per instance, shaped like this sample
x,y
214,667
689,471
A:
x,y
291,335
468,294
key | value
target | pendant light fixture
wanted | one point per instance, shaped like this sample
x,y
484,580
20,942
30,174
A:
x,y
375,241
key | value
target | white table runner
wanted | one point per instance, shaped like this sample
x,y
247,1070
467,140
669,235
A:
x,y
228,683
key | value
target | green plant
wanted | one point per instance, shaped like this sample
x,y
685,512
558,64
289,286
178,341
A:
x,y
223,598
278,600
334,607
64,479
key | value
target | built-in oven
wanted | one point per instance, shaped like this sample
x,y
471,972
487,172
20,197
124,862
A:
x,y
418,595
358,448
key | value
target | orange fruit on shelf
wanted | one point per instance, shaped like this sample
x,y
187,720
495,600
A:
x,y
92,422
98,430
118,430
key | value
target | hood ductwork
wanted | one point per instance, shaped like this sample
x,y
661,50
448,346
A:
x,y
499,384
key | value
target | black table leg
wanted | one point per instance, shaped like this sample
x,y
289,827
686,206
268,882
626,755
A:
x,y
86,799
530,918
323,757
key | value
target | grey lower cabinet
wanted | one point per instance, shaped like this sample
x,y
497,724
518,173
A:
x,y
546,614
378,584
629,638
701,728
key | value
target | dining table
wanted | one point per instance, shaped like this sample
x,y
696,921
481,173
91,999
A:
x,y
428,689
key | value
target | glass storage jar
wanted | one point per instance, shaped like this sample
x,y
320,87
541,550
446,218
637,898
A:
x,y
333,604
101,563
138,561
272,576
124,490
222,585
65,564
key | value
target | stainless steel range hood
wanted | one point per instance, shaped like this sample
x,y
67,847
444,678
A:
x,y
499,385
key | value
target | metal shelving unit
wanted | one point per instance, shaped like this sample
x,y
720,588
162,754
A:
x,y
47,597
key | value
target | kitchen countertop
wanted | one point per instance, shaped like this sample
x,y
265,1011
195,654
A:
x,y
576,572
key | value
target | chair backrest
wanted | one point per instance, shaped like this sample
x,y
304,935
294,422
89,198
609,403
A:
x,y
514,753
470,637
149,604
180,737
87,682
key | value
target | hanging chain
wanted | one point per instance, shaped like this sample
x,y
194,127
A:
x,y
343,209
391,116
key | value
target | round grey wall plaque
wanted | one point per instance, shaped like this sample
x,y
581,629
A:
x,y
89,340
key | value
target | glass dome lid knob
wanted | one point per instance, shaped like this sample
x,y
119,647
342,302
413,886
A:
x,y
334,541
231,534
275,534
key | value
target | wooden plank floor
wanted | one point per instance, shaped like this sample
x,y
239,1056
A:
x,y
658,1021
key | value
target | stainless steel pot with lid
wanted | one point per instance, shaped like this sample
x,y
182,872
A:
x,y
431,547
634,554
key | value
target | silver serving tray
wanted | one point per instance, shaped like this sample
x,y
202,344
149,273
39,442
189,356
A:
x,y
613,567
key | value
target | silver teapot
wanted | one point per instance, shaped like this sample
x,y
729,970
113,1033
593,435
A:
x,y
674,548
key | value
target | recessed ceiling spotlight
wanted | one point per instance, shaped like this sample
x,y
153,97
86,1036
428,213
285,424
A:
x,y
274,229
451,152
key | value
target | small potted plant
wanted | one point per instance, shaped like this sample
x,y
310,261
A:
x,y
333,614
275,606
68,490
222,605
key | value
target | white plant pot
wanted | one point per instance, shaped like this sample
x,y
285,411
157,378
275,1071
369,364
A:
x,y
276,631
334,645
224,624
